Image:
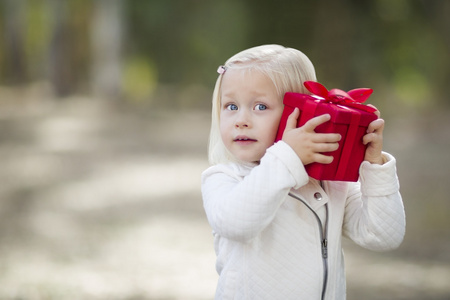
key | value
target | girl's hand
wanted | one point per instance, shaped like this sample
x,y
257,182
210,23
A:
x,y
374,140
307,143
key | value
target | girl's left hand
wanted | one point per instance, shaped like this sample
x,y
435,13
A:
x,y
374,140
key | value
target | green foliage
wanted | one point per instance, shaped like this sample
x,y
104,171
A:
x,y
140,79
400,46
38,33
412,87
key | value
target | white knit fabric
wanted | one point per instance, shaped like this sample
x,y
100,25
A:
x,y
268,244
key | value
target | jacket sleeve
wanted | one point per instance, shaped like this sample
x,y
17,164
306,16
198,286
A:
x,y
240,206
374,214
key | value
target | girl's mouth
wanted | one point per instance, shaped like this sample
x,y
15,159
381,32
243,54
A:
x,y
244,140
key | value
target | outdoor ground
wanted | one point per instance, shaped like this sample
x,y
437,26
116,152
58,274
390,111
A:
x,y
101,201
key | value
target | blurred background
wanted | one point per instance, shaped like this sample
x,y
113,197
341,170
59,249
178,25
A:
x,y
104,122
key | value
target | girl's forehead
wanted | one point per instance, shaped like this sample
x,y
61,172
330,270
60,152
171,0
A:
x,y
241,70
243,85
244,78
245,74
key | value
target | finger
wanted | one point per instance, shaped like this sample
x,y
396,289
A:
x,y
316,121
369,138
377,125
323,159
372,138
291,122
327,137
326,147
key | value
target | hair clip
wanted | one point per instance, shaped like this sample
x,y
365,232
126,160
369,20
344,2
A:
x,y
221,70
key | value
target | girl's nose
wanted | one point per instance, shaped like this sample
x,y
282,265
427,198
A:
x,y
242,120
241,124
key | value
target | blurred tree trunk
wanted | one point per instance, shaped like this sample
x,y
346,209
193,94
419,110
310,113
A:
x,y
333,37
106,41
60,73
15,63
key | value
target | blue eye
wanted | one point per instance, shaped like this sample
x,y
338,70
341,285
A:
x,y
232,107
260,107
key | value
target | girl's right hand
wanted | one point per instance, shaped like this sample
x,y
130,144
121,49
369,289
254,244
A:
x,y
308,144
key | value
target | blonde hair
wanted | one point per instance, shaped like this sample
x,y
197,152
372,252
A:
x,y
288,68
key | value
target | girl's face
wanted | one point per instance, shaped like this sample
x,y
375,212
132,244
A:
x,y
250,113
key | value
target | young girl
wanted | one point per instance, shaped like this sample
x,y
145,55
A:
x,y
277,232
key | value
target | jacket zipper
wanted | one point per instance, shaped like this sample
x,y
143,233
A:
x,y
324,241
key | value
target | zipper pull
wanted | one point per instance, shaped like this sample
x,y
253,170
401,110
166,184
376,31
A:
x,y
325,248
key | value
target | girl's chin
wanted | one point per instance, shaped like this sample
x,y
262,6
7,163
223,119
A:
x,y
250,160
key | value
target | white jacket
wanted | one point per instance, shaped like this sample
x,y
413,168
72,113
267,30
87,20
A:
x,y
271,245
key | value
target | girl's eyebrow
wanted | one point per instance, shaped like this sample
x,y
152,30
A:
x,y
255,94
229,94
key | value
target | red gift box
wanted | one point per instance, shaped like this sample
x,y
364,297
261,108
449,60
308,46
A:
x,y
349,118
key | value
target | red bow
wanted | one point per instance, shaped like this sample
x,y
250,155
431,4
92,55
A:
x,y
353,98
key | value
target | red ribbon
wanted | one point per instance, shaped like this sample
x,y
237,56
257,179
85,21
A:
x,y
353,98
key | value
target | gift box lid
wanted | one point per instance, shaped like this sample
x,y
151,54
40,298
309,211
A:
x,y
340,114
